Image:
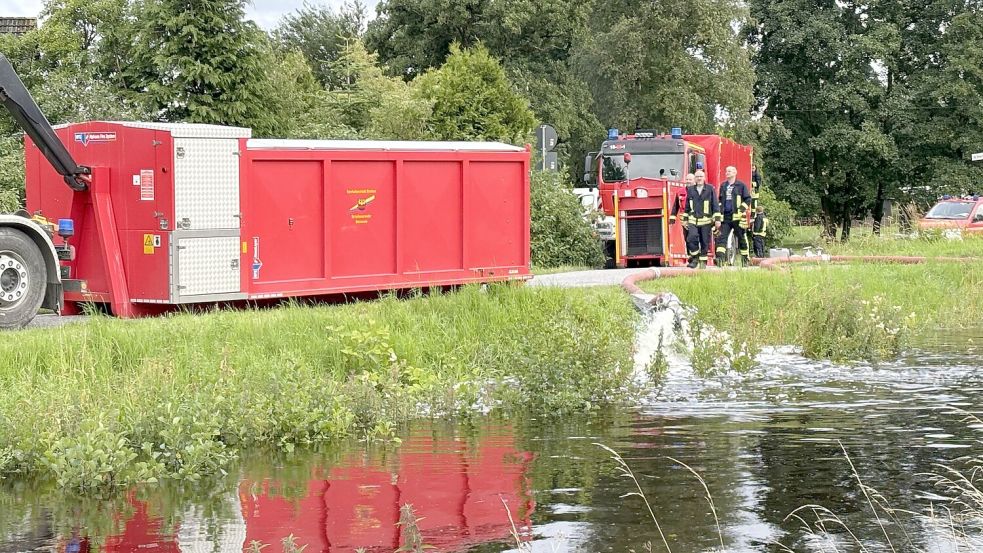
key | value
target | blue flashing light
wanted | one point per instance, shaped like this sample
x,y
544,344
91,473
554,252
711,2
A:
x,y
677,132
612,134
66,228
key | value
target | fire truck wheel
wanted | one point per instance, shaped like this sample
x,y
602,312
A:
x,y
22,279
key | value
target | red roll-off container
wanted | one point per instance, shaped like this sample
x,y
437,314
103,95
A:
x,y
183,214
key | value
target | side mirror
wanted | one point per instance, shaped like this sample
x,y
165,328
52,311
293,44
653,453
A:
x,y
589,175
978,218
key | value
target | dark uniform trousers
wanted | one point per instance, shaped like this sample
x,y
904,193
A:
x,y
759,229
734,219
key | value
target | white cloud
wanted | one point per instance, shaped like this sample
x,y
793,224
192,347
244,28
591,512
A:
x,y
266,13
21,8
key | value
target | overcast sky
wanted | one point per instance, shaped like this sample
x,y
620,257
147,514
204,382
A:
x,y
265,12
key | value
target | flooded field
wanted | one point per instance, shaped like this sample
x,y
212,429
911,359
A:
x,y
766,443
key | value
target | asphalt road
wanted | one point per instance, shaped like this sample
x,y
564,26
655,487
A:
x,y
582,279
576,279
48,320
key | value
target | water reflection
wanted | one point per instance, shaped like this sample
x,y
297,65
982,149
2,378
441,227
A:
x,y
459,488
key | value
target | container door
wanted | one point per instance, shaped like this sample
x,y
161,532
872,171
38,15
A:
x,y
207,266
206,183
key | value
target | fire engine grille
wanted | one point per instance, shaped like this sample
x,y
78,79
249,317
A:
x,y
644,236
640,212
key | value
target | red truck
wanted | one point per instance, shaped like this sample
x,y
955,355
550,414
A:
x,y
157,216
637,197
955,216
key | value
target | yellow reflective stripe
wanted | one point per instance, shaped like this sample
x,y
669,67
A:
x,y
706,206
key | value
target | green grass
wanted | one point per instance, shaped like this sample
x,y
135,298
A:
x,y
823,305
890,242
101,405
561,269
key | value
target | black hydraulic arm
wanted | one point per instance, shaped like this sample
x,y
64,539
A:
x,y
18,101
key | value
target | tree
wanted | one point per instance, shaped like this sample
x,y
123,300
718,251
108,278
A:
x,y
57,64
200,61
374,104
816,79
473,99
321,34
412,36
559,232
676,63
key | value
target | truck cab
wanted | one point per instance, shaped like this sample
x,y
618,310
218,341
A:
x,y
955,216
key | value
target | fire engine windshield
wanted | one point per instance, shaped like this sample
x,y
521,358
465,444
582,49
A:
x,y
653,166
945,210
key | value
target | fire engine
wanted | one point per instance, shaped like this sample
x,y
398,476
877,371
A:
x,y
160,216
639,177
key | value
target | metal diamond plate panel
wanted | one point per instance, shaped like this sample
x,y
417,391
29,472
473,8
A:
x,y
208,266
206,183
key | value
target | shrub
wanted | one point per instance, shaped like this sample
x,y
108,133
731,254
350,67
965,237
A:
x,y
781,216
561,235
846,327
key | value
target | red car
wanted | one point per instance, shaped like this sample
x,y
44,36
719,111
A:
x,y
956,215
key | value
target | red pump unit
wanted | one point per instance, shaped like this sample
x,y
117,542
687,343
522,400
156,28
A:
x,y
179,214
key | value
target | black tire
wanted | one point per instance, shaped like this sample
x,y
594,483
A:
x,y
23,279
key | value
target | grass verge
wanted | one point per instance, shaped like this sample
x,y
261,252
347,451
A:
x,y
109,403
889,242
836,311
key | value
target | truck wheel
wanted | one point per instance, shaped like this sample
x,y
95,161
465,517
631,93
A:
x,y
22,279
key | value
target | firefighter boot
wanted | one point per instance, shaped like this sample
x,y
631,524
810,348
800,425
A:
x,y
693,263
745,261
718,261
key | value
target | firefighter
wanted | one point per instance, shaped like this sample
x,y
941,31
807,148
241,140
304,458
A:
x,y
700,213
677,203
759,230
734,202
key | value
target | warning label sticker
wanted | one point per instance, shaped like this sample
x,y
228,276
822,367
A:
x,y
146,185
150,243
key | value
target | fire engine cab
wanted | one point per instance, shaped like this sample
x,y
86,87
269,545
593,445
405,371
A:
x,y
639,177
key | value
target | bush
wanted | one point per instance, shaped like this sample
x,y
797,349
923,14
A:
x,y
560,233
781,216
846,327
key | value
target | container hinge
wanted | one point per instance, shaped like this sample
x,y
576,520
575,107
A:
x,y
182,247
237,153
235,263
185,223
156,143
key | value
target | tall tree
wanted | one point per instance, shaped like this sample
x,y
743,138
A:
x,y
412,36
817,82
473,99
321,34
200,61
669,63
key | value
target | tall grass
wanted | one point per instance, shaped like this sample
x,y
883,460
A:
x,y
837,312
890,242
101,405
